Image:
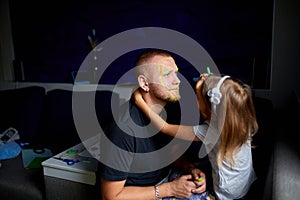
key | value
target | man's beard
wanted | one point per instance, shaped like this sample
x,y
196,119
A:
x,y
168,95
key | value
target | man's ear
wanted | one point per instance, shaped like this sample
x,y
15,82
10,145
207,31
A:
x,y
143,83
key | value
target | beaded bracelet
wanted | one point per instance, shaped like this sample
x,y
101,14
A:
x,y
156,192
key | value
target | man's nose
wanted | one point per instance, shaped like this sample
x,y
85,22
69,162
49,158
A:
x,y
176,79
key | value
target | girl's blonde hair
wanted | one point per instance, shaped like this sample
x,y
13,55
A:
x,y
237,110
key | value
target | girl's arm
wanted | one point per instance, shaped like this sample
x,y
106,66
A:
x,y
178,131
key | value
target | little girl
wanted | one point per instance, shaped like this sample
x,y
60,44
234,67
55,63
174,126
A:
x,y
229,116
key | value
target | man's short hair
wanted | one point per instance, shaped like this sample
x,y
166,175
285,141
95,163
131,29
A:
x,y
147,55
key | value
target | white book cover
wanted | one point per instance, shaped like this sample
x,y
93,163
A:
x,y
75,164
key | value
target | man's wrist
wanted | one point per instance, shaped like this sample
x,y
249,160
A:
x,y
156,192
165,190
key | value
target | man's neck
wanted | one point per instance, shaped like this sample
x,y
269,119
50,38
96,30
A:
x,y
155,104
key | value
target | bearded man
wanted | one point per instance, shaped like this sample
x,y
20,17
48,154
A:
x,y
136,170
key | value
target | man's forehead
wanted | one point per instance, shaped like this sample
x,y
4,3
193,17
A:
x,y
165,62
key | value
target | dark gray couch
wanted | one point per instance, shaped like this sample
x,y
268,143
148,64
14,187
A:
x,y
44,120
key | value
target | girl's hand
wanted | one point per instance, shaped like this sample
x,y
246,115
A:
x,y
199,180
204,110
137,97
141,103
200,81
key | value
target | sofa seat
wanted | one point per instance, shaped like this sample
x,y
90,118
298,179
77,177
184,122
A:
x,y
44,120
16,182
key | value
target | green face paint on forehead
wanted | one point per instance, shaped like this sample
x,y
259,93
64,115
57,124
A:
x,y
164,70
166,66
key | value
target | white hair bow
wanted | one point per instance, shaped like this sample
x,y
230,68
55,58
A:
x,y
215,94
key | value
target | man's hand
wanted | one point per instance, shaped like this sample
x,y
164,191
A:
x,y
183,186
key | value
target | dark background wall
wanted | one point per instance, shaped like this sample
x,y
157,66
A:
x,y
285,63
51,37
286,52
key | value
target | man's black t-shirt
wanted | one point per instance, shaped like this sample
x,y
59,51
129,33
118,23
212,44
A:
x,y
129,136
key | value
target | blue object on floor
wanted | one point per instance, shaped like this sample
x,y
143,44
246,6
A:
x,y
9,150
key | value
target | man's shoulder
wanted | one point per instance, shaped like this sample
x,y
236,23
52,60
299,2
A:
x,y
128,116
130,112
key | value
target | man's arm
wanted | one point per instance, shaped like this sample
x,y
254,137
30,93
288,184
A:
x,y
181,188
116,190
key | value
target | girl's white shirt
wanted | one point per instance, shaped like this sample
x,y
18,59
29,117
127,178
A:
x,y
230,182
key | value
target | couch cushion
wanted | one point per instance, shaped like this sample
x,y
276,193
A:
x,y
58,131
264,147
21,108
106,103
16,182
